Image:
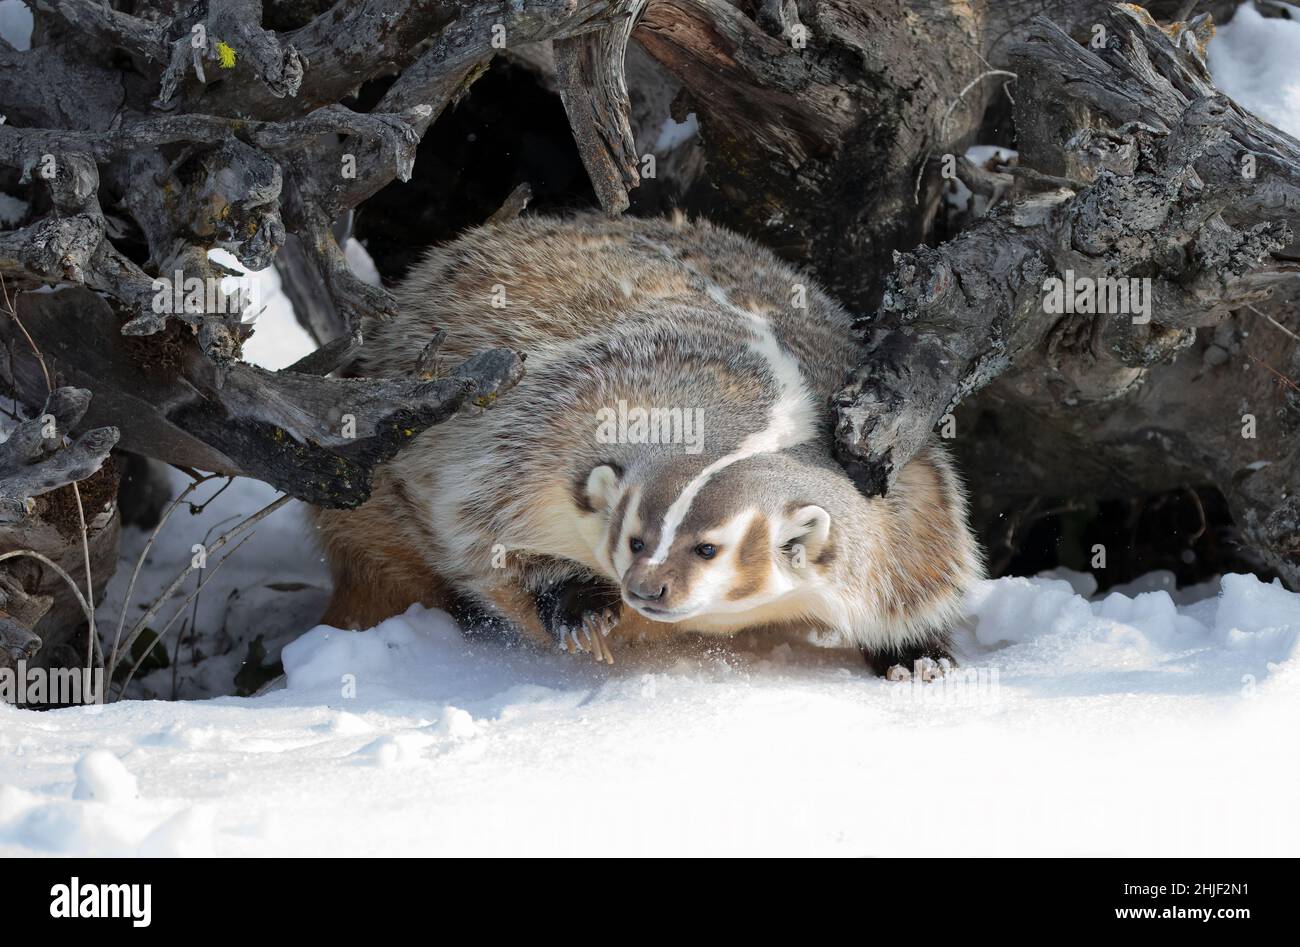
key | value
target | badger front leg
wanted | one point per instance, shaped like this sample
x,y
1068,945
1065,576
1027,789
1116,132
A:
x,y
575,614
581,613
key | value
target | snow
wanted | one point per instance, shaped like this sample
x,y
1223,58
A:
x,y
16,24
272,588
673,133
1119,725
1149,720
12,210
360,262
101,776
278,339
1253,59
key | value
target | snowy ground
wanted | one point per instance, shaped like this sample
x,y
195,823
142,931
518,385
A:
x,y
1124,726
1253,59
1149,721
267,592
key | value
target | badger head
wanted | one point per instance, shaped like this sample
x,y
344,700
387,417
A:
x,y
711,549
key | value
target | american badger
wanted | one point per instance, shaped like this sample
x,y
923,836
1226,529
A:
x,y
665,464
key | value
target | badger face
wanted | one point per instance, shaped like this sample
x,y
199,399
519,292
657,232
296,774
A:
x,y
733,545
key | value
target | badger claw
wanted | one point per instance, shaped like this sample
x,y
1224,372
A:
x,y
589,637
581,614
927,670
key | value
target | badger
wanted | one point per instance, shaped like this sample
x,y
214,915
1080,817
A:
x,y
663,467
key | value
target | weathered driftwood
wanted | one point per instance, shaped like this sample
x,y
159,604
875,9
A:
x,y
42,618
34,459
589,74
238,164
34,597
17,643
316,438
1169,181
41,512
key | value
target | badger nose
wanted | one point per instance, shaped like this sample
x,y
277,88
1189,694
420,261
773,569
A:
x,y
647,591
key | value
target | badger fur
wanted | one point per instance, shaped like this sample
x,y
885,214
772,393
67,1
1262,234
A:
x,y
664,465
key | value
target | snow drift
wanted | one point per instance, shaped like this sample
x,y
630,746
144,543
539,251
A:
x,y
1136,723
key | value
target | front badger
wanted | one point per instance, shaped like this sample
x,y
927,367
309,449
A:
x,y
784,540
542,519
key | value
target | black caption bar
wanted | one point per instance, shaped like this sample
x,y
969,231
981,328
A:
x,y
236,898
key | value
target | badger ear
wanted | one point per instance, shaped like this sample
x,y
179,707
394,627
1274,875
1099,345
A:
x,y
603,487
804,532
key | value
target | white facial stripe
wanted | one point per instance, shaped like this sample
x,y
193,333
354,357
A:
x,y
629,527
791,422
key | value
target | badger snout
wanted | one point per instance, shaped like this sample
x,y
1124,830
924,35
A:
x,y
651,592
647,590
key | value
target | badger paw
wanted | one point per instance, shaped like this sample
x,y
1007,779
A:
x,y
581,613
589,637
924,669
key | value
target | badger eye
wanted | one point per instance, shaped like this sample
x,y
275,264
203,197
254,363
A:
x,y
706,550
635,544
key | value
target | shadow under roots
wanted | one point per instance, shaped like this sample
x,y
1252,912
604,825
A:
x,y
1187,532
508,130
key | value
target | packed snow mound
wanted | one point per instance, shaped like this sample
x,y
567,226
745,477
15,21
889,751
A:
x,y
1225,639
1253,59
101,775
1130,723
